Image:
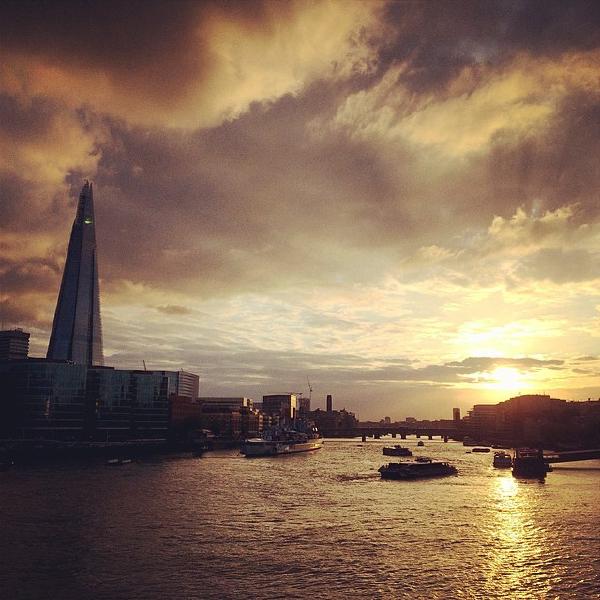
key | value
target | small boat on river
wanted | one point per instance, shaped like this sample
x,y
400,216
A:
x,y
421,469
397,450
420,443
529,462
479,449
502,460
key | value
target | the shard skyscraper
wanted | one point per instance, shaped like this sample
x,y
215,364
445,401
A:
x,y
76,330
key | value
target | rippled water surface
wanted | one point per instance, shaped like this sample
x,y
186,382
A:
x,y
317,525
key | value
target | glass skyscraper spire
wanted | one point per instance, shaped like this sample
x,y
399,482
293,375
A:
x,y
76,330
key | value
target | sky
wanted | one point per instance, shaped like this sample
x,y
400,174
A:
x,y
396,201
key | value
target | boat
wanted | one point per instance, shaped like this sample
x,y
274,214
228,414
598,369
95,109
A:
x,y
420,443
480,449
283,441
502,460
420,469
397,450
529,462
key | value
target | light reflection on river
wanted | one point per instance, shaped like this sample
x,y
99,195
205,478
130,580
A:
x,y
320,525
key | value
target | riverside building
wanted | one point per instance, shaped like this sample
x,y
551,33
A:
x,y
70,395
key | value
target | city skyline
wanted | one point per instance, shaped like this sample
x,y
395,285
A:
x,y
395,200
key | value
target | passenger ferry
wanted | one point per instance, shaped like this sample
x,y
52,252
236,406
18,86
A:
x,y
397,450
420,469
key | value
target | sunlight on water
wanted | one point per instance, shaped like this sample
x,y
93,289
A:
x,y
519,552
321,525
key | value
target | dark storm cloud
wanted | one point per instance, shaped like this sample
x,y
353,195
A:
x,y
249,203
438,39
29,208
28,275
14,313
139,42
557,164
26,121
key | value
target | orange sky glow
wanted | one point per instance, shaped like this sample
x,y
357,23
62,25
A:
x,y
396,200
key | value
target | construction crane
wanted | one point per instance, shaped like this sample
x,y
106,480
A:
x,y
309,389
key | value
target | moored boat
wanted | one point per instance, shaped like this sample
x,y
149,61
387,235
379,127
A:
x,y
282,441
529,462
417,470
397,450
480,449
420,443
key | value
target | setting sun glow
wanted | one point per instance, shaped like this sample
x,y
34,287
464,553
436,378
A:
x,y
507,378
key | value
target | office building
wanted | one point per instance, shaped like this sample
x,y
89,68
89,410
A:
x,y
329,403
14,344
456,415
281,406
303,406
226,404
62,400
76,330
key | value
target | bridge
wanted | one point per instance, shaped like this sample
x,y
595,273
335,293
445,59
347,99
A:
x,y
377,431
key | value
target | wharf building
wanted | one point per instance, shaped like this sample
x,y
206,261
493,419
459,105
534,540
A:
x,y
280,407
535,419
228,417
63,400
334,423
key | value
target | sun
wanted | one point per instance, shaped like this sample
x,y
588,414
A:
x,y
506,378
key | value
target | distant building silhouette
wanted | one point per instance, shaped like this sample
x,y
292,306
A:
x,y
456,415
329,403
76,329
14,344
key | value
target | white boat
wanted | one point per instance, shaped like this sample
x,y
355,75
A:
x,y
278,442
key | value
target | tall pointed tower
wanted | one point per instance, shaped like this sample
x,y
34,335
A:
x,y
76,330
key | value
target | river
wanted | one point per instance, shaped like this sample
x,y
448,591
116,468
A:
x,y
315,525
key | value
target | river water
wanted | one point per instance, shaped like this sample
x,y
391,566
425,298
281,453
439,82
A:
x,y
315,525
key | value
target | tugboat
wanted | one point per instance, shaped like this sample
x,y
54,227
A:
x,y
420,443
502,460
303,438
529,462
421,469
397,450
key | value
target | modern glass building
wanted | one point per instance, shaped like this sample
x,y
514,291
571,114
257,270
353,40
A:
x,y
61,400
42,399
76,330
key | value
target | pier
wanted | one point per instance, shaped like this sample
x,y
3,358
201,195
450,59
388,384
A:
x,y
571,456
